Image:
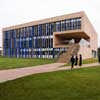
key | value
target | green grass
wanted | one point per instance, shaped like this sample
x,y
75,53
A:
x,y
90,60
79,84
86,61
7,63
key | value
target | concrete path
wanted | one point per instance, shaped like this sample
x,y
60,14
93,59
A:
x,y
12,74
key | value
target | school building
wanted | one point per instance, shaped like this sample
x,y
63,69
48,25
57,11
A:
x,y
57,37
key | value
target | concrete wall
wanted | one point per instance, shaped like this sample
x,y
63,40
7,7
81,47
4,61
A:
x,y
89,29
85,52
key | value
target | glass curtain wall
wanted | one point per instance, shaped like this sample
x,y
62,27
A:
x,y
36,41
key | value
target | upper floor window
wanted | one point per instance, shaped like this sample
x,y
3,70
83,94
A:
x,y
63,25
45,29
74,23
58,26
36,30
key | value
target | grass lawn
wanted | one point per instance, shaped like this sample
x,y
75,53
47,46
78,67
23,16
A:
x,y
90,60
7,63
80,84
86,61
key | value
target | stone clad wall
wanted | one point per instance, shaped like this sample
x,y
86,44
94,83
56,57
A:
x,y
85,52
89,29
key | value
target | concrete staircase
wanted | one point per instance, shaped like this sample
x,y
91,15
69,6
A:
x,y
65,56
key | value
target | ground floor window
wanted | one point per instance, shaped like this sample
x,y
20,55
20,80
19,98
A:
x,y
94,53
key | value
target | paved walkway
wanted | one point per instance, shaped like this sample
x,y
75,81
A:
x,y
12,74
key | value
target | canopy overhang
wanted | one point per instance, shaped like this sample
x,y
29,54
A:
x,y
58,37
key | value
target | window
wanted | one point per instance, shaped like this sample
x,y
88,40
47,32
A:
x,y
63,25
72,24
50,29
79,23
47,29
30,31
67,25
53,27
39,30
36,30
58,26
30,42
44,29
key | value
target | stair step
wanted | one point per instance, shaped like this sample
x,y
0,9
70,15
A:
x,y
65,57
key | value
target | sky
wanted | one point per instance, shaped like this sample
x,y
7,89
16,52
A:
x,y
14,12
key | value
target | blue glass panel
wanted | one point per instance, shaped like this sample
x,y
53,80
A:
x,y
32,30
30,42
58,26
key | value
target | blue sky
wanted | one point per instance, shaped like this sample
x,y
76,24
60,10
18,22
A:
x,y
14,12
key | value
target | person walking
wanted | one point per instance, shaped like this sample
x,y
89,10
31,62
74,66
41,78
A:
x,y
72,60
76,60
80,60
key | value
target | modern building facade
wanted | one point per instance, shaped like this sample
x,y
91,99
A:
x,y
49,37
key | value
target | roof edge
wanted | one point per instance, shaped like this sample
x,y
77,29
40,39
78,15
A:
x,y
45,20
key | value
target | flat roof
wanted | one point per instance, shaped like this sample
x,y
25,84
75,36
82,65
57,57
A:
x,y
47,20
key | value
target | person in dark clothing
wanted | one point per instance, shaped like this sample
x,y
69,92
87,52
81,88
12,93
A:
x,y
98,54
72,60
80,60
76,60
99,58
